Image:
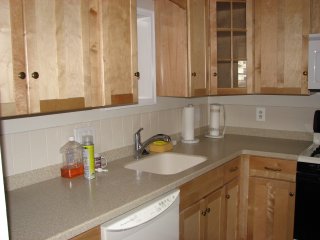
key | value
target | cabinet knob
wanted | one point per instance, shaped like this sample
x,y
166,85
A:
x,y
291,194
233,169
203,213
208,210
305,73
215,74
22,75
193,74
137,74
35,75
227,196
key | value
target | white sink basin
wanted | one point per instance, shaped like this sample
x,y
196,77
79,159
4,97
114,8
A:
x,y
166,163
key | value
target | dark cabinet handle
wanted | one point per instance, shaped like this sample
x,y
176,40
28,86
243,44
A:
x,y
193,74
22,75
305,73
227,196
208,210
273,169
203,213
215,74
137,74
291,194
35,75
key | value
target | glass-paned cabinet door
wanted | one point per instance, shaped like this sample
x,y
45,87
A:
x,y
228,35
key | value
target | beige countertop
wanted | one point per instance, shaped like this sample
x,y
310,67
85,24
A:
x,y
62,208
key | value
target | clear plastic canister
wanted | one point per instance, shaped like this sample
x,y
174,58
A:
x,y
72,159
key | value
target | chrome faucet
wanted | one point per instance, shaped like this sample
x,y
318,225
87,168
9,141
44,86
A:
x,y
140,148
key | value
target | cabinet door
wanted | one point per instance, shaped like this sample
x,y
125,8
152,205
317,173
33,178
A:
x,y
120,51
13,83
214,215
281,30
232,209
271,209
231,47
197,47
192,222
54,52
52,45
171,48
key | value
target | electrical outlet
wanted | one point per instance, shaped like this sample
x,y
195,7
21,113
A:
x,y
83,131
261,114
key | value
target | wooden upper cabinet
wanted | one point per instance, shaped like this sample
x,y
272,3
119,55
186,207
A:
x,y
281,41
66,55
181,48
45,56
197,47
119,22
231,49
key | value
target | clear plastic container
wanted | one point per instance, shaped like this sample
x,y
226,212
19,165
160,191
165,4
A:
x,y
72,159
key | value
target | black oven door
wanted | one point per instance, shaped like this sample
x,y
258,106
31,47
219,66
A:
x,y
307,206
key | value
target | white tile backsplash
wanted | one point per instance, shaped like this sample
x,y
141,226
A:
x,y
7,155
117,133
36,149
21,153
53,136
127,130
106,134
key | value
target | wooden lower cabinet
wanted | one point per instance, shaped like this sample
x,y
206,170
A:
x,y
231,199
211,215
92,234
203,220
271,209
271,198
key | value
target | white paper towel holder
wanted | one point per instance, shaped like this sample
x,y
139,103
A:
x,y
214,125
188,125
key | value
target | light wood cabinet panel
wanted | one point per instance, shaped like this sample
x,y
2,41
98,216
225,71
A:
x,y
92,234
271,209
315,16
214,216
281,40
181,48
71,53
203,220
197,43
171,49
192,222
119,22
232,210
45,40
231,47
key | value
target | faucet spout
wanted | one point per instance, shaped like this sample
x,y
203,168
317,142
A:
x,y
140,148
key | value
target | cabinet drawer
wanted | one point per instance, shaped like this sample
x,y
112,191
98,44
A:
x,y
231,169
200,187
273,168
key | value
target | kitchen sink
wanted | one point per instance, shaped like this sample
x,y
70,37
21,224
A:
x,y
166,163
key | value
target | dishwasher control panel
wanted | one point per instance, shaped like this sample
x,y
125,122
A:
x,y
145,214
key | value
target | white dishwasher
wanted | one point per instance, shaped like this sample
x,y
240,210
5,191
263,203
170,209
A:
x,y
156,220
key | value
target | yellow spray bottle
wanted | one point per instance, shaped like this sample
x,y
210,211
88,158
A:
x,y
88,156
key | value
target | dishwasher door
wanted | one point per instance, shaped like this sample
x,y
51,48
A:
x,y
156,220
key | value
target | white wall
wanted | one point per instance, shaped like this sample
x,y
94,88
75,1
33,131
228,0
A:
x,y
292,113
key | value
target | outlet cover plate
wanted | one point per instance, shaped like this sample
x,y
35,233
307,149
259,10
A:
x,y
261,114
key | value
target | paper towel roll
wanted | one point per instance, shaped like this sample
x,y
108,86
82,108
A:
x,y
214,119
188,125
